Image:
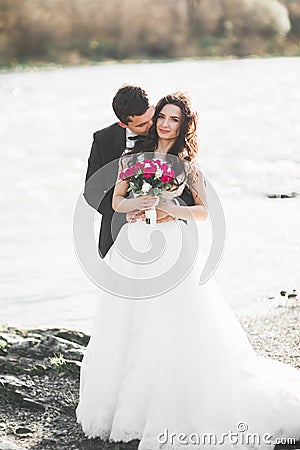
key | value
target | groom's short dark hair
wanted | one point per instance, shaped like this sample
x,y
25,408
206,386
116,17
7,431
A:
x,y
130,100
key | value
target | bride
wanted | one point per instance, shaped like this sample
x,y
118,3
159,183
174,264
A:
x,y
168,362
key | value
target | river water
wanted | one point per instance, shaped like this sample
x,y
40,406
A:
x,y
249,129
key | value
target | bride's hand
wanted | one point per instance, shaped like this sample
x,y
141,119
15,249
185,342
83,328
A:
x,y
165,205
162,216
144,202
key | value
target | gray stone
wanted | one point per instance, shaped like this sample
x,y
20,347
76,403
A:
x,y
23,430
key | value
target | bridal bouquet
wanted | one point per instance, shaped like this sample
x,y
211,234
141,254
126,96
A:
x,y
150,177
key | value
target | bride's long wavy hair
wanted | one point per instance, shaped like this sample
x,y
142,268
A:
x,y
186,145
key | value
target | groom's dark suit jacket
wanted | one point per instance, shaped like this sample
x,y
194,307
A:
x,y
108,145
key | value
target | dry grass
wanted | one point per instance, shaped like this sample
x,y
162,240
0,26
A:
x,y
56,30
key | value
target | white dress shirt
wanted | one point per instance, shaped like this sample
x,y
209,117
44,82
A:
x,y
129,143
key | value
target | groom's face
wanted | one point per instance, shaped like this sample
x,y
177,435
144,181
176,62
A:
x,y
141,124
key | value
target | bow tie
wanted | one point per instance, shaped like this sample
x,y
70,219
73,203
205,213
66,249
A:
x,y
136,138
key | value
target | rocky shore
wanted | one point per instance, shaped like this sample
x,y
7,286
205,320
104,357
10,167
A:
x,y
40,380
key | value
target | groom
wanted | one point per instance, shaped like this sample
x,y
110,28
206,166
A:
x,y
135,114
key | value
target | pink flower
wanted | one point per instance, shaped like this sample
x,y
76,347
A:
x,y
164,168
130,171
137,166
148,171
165,178
122,176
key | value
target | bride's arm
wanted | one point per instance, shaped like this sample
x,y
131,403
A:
x,y
119,202
199,211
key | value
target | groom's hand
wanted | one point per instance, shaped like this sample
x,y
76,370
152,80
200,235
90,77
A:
x,y
133,216
163,216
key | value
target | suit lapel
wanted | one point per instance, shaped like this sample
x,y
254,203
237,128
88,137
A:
x,y
120,142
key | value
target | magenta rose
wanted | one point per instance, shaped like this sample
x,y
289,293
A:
x,y
165,178
149,171
164,168
129,172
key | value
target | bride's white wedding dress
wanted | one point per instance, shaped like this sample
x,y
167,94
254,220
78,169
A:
x,y
179,362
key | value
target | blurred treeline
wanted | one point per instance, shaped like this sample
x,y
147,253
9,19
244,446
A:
x,y
68,31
